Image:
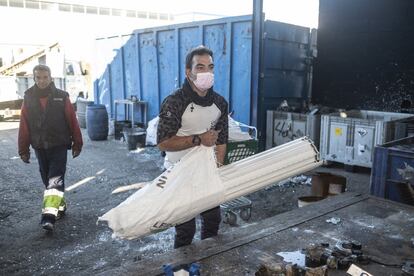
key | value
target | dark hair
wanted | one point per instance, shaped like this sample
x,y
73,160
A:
x,y
197,51
41,67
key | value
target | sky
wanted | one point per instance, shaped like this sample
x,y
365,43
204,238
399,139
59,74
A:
x,y
33,27
299,12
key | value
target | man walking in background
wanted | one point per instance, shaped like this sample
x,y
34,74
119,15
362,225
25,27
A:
x,y
48,123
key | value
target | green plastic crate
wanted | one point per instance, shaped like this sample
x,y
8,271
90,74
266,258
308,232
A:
x,y
239,150
242,205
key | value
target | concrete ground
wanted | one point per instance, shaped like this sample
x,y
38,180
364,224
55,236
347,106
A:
x,y
79,246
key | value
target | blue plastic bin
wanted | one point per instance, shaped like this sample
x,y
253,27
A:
x,y
392,175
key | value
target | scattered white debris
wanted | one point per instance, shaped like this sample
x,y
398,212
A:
x,y
296,180
135,186
301,179
334,220
396,237
364,224
100,264
296,257
104,237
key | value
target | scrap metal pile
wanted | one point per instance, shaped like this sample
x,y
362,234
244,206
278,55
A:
x,y
344,255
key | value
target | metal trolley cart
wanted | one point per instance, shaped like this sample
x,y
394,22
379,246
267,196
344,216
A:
x,y
237,151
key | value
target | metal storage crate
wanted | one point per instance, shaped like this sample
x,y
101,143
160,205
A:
x,y
405,127
350,137
283,127
392,174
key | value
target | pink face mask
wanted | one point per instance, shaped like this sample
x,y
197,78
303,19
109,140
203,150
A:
x,y
204,81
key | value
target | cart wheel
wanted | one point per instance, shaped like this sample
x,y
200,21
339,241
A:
x,y
246,213
230,217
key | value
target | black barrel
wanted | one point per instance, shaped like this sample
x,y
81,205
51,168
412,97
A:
x,y
134,137
97,122
81,111
119,127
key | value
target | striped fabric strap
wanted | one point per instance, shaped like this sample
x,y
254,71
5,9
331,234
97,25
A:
x,y
52,201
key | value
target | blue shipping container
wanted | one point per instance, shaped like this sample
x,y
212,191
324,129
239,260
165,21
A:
x,y
150,64
392,175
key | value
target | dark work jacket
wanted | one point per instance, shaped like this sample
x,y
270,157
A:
x,y
48,128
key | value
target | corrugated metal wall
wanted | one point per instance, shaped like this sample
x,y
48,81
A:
x,y
150,64
285,70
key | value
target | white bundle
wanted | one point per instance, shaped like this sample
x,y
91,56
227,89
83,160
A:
x,y
151,136
195,185
235,131
258,171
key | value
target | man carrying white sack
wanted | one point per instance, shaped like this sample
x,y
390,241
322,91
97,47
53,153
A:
x,y
194,115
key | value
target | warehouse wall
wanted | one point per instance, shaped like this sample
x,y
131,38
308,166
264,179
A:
x,y
365,54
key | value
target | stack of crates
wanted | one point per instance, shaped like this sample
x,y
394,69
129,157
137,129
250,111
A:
x,y
283,127
350,137
237,150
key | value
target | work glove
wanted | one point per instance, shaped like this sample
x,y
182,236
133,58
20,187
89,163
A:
x,y
75,153
25,157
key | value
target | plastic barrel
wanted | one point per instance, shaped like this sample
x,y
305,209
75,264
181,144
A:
x,y
81,111
97,122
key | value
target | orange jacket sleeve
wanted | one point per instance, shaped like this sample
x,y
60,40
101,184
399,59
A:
x,y
24,132
73,125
